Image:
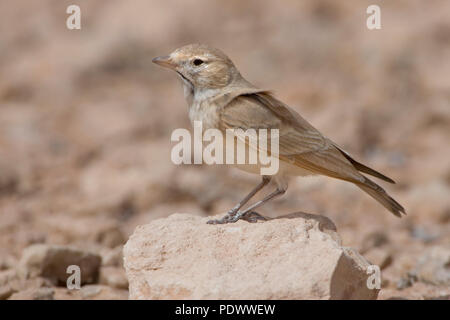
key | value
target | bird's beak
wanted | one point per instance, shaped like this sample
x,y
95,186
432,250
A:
x,y
165,62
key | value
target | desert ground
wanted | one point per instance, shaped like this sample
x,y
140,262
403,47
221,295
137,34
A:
x,y
86,120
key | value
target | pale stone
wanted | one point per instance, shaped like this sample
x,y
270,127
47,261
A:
x,y
293,257
51,262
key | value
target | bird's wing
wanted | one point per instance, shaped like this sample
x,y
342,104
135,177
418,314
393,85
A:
x,y
299,142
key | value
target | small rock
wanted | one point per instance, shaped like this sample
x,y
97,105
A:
x,y
407,281
44,294
51,262
101,292
421,233
90,291
114,277
112,257
34,294
434,266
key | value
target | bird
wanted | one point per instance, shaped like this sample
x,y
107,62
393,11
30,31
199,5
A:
x,y
220,97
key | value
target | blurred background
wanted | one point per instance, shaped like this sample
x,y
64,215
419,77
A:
x,y
86,119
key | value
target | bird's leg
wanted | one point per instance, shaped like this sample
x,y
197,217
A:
x,y
263,183
241,214
235,209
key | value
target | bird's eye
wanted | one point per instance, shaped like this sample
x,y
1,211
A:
x,y
197,62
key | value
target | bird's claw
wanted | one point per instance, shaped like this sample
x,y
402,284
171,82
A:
x,y
223,220
251,217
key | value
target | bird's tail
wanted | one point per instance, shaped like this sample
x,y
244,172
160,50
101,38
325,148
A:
x,y
378,193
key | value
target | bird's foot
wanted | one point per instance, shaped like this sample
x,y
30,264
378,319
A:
x,y
223,220
253,217
231,217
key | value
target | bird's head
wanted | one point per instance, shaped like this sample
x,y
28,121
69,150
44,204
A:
x,y
200,66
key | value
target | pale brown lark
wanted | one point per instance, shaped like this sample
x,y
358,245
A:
x,y
221,98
